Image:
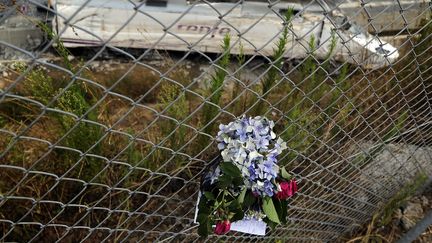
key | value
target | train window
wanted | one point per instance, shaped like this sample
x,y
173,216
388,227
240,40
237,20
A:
x,y
381,50
156,3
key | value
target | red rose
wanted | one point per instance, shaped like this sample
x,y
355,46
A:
x,y
288,189
222,227
293,186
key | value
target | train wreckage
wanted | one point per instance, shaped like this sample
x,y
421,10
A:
x,y
179,25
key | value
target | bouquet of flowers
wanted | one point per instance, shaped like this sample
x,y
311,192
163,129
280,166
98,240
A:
x,y
245,181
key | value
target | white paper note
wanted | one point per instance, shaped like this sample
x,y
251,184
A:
x,y
249,226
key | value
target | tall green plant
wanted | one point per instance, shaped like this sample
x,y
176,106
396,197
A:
x,y
82,136
313,73
315,76
242,102
59,47
215,89
340,86
305,121
331,49
75,100
308,69
276,65
37,84
424,40
299,132
178,110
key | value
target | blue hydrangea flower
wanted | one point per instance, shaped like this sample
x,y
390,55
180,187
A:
x,y
251,144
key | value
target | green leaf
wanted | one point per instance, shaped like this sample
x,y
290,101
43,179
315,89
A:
x,y
224,181
242,195
238,181
249,199
202,217
277,205
284,207
209,196
239,215
269,210
285,174
230,169
270,223
203,206
281,207
204,225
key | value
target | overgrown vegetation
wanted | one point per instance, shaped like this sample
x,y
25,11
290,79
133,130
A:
x,y
375,229
411,77
152,146
401,196
174,100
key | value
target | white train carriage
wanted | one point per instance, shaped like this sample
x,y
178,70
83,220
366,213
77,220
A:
x,y
183,26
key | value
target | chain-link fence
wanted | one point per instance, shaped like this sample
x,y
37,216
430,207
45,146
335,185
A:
x,y
109,109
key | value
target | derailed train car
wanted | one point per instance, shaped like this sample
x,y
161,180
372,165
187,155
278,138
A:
x,y
183,26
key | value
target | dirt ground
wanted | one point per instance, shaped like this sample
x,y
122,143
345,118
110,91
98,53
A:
x,y
403,219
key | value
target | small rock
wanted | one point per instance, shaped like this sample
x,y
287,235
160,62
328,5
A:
x,y
15,65
94,65
411,214
398,214
5,74
424,201
415,200
407,223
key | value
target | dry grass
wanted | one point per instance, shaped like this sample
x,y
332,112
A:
x,y
318,121
386,225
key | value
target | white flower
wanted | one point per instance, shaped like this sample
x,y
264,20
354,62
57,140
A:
x,y
249,128
225,155
250,144
254,154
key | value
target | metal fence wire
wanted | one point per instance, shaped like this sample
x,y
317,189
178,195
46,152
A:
x,y
109,109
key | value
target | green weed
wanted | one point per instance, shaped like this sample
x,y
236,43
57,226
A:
x,y
300,131
304,125
308,69
331,48
401,197
277,60
77,99
40,85
217,81
178,111
61,50
84,136
424,38
242,102
135,156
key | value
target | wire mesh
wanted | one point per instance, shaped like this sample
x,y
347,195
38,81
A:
x,y
108,111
